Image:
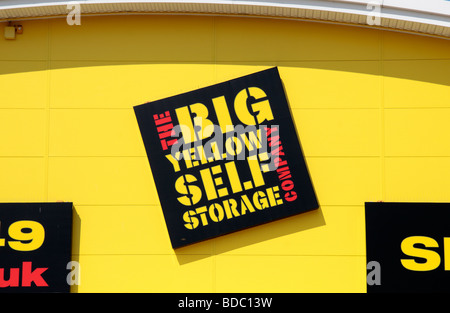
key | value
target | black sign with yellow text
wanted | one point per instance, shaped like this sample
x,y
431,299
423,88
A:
x,y
35,247
225,157
408,247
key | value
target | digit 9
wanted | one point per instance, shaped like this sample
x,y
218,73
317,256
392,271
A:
x,y
28,235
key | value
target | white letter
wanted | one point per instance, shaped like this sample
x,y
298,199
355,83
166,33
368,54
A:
x,y
74,16
374,276
374,18
73,278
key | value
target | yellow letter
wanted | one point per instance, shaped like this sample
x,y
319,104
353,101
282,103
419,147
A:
x,y
230,206
201,211
255,169
260,200
26,241
432,257
185,124
233,177
193,193
213,208
260,107
447,253
211,183
174,161
191,221
200,122
246,205
222,113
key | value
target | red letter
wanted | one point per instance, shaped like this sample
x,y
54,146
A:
x,y
290,196
29,276
13,278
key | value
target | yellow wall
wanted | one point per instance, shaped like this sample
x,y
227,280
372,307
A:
x,y
372,109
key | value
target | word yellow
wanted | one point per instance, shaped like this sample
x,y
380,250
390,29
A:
x,y
212,151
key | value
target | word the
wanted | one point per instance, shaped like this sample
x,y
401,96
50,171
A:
x,y
164,127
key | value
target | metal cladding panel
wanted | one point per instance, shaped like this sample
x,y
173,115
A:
x,y
432,20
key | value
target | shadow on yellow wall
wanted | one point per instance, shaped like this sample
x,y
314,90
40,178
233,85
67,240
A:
x,y
257,234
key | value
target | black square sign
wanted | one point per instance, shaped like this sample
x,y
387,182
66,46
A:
x,y
35,247
225,157
408,247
